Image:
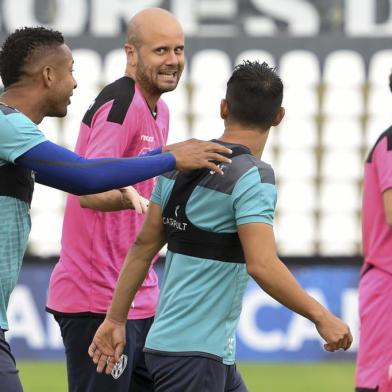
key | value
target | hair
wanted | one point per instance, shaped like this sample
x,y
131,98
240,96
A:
x,y
254,94
20,46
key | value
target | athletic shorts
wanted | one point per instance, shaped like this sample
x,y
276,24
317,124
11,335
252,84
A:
x,y
9,378
374,358
192,374
78,333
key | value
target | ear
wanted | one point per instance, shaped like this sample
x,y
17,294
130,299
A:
x,y
279,117
224,109
132,56
47,75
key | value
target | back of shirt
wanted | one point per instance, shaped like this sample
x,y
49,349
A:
x,y
377,234
201,298
94,244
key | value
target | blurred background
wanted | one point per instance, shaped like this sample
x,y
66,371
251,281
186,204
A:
x,y
334,57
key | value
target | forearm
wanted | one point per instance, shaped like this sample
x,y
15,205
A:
x,y
62,169
106,201
277,281
133,273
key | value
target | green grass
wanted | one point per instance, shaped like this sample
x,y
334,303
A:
x,y
313,377
303,377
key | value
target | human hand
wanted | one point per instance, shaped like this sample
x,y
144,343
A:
x,y
132,199
335,332
107,345
196,154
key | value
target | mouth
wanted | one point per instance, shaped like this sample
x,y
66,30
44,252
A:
x,y
169,75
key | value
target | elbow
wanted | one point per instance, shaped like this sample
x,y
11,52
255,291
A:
x,y
256,269
260,267
83,201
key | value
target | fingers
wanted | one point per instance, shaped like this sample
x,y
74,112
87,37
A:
x,y
215,147
216,157
118,352
342,343
213,167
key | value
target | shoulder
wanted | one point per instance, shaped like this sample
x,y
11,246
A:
x,y
244,168
12,118
247,163
384,138
121,92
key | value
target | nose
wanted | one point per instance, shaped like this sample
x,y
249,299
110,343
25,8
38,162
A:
x,y
172,58
75,83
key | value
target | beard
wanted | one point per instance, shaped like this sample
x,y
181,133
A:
x,y
153,87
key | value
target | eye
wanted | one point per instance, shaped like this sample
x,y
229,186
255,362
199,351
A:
x,y
179,50
160,51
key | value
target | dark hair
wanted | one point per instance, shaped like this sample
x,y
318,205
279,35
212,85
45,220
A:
x,y
254,94
19,45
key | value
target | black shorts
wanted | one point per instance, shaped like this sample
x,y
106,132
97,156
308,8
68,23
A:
x,y
9,378
192,374
78,332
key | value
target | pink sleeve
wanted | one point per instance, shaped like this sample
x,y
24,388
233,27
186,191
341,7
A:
x,y
109,139
382,158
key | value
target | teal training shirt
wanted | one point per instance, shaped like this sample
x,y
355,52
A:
x,y
200,300
17,135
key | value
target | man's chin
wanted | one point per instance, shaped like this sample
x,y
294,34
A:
x,y
168,87
57,113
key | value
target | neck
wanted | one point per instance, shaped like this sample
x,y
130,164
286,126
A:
x,y
150,97
24,101
254,139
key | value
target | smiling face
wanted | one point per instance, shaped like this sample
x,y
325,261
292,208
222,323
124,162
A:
x,y
61,82
155,52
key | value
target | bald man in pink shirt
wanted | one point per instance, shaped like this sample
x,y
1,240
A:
x,y
128,118
374,362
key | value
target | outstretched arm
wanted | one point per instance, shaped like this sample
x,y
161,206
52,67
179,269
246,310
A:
x,y
60,168
109,340
271,274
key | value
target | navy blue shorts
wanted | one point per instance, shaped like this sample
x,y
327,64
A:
x,y
9,378
192,374
78,332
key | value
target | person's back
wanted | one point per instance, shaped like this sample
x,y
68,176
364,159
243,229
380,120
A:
x,y
208,258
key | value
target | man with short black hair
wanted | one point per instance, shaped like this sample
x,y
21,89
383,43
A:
x,y
218,230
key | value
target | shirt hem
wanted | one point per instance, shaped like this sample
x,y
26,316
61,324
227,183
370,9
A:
x,y
95,314
187,354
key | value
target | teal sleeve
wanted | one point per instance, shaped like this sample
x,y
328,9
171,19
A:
x,y
18,135
253,200
156,193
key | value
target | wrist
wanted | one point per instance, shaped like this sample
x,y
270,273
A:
x,y
116,320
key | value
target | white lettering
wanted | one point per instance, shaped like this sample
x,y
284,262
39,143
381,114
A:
x,y
350,314
23,318
173,223
249,331
106,16
70,17
361,21
147,138
301,16
301,329
54,339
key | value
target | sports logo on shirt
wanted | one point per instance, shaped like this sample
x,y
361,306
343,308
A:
x,y
147,138
119,367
